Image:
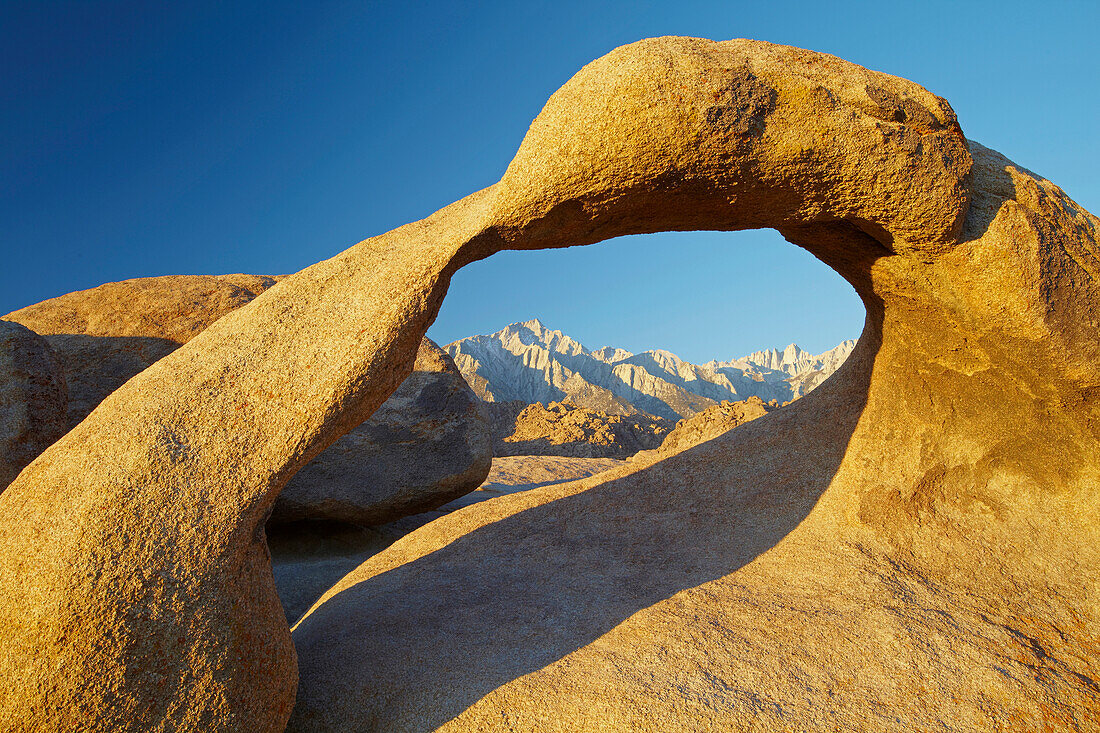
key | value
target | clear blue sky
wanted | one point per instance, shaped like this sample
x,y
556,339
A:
x,y
148,138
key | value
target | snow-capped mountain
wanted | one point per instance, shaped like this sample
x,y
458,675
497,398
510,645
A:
x,y
532,363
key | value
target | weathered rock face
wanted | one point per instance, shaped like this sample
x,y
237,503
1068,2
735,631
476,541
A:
x,y
106,335
32,399
911,546
374,474
714,421
564,429
173,307
426,445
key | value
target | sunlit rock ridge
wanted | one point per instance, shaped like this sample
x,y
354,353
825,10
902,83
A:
x,y
532,363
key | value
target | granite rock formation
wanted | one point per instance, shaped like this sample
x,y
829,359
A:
x,y
428,444
374,474
565,429
106,335
33,397
714,421
911,546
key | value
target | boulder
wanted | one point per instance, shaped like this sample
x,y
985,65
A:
x,y
106,335
714,421
425,446
32,399
911,546
566,429
173,307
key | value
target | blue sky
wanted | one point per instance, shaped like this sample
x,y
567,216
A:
x,y
147,138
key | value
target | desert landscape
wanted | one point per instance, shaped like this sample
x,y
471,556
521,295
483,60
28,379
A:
x,y
252,502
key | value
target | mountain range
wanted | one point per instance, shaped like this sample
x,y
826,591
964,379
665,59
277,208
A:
x,y
531,363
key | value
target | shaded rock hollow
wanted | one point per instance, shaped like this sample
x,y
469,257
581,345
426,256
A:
x,y
308,557
33,398
911,546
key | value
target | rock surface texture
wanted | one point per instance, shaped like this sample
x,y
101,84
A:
x,y
374,474
912,546
714,421
425,446
33,398
565,429
106,335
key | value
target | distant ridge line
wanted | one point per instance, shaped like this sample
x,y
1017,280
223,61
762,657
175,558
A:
x,y
530,362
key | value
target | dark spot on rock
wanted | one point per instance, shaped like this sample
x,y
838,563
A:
x,y
715,114
894,108
742,102
885,99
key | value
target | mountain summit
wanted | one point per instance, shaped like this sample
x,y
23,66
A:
x,y
530,362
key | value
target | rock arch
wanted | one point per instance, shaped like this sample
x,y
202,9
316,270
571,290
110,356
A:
x,y
961,466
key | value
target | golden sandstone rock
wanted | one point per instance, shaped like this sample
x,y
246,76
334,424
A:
x,y
912,546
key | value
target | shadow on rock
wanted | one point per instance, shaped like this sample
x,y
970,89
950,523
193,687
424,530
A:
x,y
491,593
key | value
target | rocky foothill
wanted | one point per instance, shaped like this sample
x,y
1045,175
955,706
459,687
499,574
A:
x,y
565,429
715,421
910,546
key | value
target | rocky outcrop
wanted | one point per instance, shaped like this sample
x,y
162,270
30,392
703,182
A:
x,y
564,429
425,446
374,474
878,555
33,397
173,307
911,546
528,362
714,421
106,335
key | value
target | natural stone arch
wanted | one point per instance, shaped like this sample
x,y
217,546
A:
x,y
132,550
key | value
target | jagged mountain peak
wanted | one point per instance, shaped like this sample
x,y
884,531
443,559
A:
x,y
530,362
535,332
611,354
